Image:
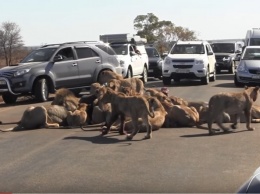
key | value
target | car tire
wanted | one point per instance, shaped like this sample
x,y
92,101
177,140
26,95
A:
x,y
166,80
213,78
232,68
205,80
9,98
41,90
129,73
236,82
145,75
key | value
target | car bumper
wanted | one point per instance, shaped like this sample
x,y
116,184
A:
x,y
186,73
247,77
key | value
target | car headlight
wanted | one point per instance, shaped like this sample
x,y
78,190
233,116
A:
x,y
21,72
199,62
242,67
167,61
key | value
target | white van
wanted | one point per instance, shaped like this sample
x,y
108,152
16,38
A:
x,y
253,37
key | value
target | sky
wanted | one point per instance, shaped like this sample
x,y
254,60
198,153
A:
x,y
56,21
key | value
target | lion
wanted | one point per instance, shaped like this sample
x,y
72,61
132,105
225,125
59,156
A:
x,y
107,75
78,117
156,122
38,117
135,83
133,106
180,115
65,97
233,104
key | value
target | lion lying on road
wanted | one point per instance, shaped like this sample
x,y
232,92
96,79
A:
x,y
233,104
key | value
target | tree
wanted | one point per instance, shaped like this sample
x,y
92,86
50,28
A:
x,y
10,41
161,33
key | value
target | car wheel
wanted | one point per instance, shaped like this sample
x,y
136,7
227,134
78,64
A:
x,y
166,80
205,80
236,82
9,98
213,78
129,73
41,91
145,75
232,68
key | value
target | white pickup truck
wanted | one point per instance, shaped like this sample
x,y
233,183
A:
x,y
131,53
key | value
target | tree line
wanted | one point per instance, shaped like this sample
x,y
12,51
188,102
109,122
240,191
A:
x,y
161,34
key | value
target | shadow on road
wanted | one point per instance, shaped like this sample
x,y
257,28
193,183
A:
x,y
101,139
223,76
226,85
216,134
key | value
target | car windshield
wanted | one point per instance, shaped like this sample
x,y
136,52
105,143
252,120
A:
x,y
255,41
223,47
39,55
251,54
151,52
120,49
188,49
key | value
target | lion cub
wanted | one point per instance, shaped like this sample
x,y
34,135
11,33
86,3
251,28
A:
x,y
78,117
233,104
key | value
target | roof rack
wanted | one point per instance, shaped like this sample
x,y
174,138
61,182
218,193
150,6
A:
x,y
76,42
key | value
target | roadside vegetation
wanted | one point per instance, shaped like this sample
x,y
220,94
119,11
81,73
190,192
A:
x,y
160,33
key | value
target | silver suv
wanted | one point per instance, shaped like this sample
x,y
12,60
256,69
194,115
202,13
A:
x,y
73,65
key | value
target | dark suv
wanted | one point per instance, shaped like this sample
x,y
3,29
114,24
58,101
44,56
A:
x,y
73,65
155,62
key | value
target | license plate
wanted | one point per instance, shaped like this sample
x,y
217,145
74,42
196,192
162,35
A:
x,y
256,77
2,82
182,71
150,70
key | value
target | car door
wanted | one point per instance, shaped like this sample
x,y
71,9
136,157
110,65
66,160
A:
x,y
211,58
65,69
135,60
88,60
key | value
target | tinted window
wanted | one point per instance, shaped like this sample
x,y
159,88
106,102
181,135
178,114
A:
x,y
223,47
85,53
251,54
255,41
66,54
120,49
151,52
106,49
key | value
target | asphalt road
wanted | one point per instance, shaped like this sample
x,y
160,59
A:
x,y
175,160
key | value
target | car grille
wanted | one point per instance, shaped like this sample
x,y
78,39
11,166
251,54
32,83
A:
x,y
182,66
254,71
153,64
7,74
183,60
220,57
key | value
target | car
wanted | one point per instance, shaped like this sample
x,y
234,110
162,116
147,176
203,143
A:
x,y
225,53
155,62
248,69
252,185
189,60
131,51
72,65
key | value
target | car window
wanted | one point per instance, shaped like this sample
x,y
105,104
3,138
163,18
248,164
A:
x,y
66,54
120,49
86,52
152,52
106,49
223,47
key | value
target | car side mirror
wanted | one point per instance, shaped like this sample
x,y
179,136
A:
x,y
210,53
58,58
132,53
